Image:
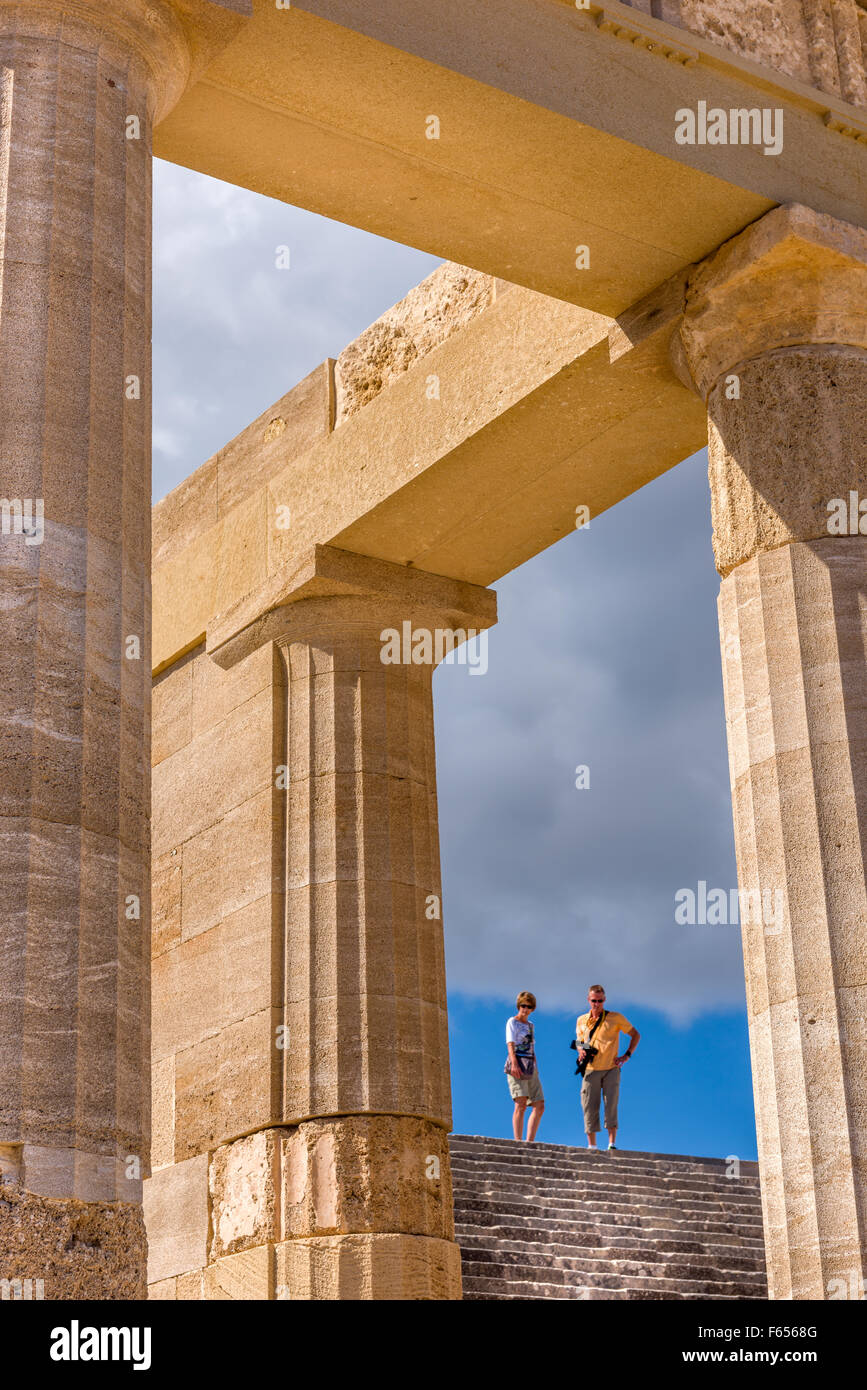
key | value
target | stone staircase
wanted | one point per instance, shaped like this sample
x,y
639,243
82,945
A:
x,y
547,1221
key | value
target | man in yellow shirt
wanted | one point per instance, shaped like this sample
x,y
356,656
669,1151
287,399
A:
x,y
601,1029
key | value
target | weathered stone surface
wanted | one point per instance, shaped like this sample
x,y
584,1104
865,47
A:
x,y
90,1177
347,726
215,773
164,1289
247,1275
367,1173
244,1184
775,330
773,485
441,305
176,1215
794,277
229,866
167,882
185,512
793,636
227,1084
819,42
216,979
171,724
770,32
191,1286
87,1250
391,1267
163,1112
217,692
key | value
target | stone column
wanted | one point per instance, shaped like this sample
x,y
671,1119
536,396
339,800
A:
x,y
774,338
366,1201
81,84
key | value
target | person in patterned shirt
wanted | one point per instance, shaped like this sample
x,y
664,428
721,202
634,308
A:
x,y
521,1070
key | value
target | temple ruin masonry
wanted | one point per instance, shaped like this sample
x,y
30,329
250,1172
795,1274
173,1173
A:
x,y
288,1112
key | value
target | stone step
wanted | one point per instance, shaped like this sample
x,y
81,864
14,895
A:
x,y
652,1262
649,1285
540,1156
522,1197
497,1194
592,1240
547,1221
491,1290
475,1146
604,1172
589,1225
612,1283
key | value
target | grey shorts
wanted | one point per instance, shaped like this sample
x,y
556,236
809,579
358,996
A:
x,y
528,1086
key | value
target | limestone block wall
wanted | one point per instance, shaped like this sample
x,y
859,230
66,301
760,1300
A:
x,y
216,835
819,42
216,978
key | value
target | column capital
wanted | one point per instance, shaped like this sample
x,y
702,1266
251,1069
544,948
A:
x,y
275,613
175,39
793,278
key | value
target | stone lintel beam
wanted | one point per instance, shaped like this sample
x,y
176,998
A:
x,y
570,410
537,106
774,337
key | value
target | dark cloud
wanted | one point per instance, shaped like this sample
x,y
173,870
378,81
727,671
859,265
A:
x,y
606,654
232,333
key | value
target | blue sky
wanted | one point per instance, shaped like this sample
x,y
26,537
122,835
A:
x,y
606,654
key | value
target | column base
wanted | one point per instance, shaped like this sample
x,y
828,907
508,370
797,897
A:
x,y
92,1250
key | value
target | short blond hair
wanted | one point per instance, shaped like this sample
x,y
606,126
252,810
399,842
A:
x,y
596,989
525,997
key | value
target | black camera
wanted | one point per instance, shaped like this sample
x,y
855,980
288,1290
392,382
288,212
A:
x,y
589,1054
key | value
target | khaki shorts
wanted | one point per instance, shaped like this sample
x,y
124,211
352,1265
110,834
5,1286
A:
x,y
607,1084
529,1086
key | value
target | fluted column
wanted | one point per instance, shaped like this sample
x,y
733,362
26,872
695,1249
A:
x,y
774,338
81,84
367,1194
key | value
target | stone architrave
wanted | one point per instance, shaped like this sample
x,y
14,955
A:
x,y
82,83
774,338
